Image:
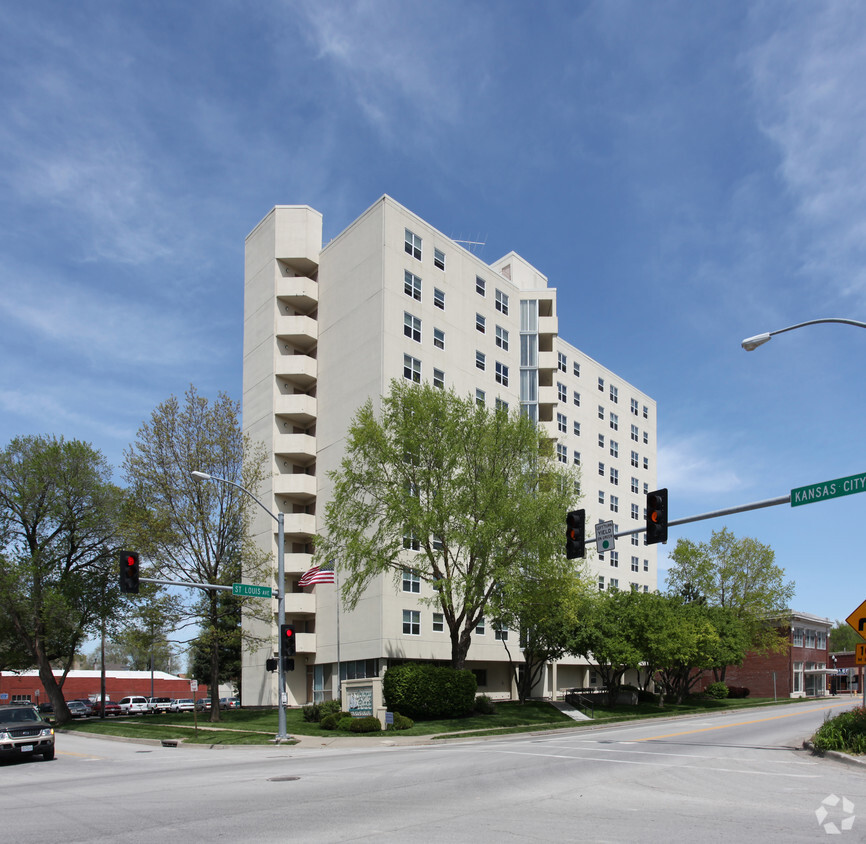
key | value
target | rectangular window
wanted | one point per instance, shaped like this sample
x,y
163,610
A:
x,y
821,640
479,628
502,302
634,433
646,565
562,362
635,564
561,453
561,392
635,538
601,469
439,259
798,637
411,542
634,406
601,496
634,459
614,585
810,638
412,622
635,512
601,411
576,399
502,338
411,581
601,440
634,486
614,507
480,361
501,405
412,245
438,338
438,622
412,368
614,394
501,374
645,412
601,583
601,384
614,421
480,323
614,476
439,298
577,458
480,286
479,397
439,379
614,449
500,632
412,327
575,368
412,285
561,423
614,559
576,428
645,438
646,462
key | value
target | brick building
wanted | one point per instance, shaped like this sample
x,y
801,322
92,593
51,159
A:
x,y
801,670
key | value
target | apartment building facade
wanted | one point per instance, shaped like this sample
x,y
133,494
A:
x,y
326,328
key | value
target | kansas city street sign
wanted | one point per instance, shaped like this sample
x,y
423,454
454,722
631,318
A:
x,y
828,489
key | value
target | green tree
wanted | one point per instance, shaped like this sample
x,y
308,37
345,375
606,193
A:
x,y
461,494
58,525
194,531
228,635
738,574
843,637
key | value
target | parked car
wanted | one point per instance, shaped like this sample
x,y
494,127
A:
x,y
183,704
134,705
229,703
77,709
88,704
24,733
46,708
159,704
111,708
202,703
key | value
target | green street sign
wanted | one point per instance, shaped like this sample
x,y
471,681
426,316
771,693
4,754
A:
x,y
828,489
250,591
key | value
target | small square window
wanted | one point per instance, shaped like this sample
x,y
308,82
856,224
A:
x,y
438,338
646,462
479,628
501,405
502,302
645,438
439,379
480,323
411,581
412,622
412,368
412,245
412,285
480,361
438,621
439,259
601,496
439,298
500,632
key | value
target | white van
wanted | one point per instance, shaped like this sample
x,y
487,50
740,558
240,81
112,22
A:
x,y
134,705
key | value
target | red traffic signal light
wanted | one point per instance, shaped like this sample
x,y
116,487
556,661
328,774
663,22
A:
x,y
287,638
575,534
657,516
129,572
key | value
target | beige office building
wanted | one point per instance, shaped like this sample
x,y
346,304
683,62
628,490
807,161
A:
x,y
326,328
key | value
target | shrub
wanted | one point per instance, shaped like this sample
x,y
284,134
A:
x,y
738,691
331,721
345,723
365,724
328,707
846,732
644,696
312,712
484,705
423,691
717,690
401,722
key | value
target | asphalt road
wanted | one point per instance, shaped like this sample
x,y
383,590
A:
x,y
729,777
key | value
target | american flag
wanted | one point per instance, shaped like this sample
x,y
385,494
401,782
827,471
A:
x,y
318,574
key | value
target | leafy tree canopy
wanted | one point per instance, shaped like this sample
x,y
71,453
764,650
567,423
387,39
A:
x,y
843,637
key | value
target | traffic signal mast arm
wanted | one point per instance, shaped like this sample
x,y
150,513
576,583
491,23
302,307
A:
x,y
713,514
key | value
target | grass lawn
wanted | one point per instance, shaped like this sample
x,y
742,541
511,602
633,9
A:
x,y
258,726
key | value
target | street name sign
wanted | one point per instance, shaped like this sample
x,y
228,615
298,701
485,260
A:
x,y
857,619
604,532
250,591
828,489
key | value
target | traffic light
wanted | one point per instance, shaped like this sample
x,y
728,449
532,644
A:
x,y
271,664
657,517
575,534
287,637
288,663
129,572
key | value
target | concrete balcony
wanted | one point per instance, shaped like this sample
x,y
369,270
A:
x,y
306,643
549,430
299,524
302,293
547,395
299,448
300,603
300,370
301,331
547,360
299,408
297,564
300,487
548,325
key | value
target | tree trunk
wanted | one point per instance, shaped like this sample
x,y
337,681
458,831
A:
x,y
215,658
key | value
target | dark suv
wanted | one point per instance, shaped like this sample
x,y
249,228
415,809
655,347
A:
x,y
24,733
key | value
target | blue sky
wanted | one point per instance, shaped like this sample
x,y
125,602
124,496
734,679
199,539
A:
x,y
686,174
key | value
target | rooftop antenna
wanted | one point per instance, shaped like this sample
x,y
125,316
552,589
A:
x,y
469,244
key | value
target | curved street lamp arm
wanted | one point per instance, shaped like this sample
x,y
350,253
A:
x,y
204,476
752,343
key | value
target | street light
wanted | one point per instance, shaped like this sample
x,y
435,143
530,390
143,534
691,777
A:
x,y
752,343
281,607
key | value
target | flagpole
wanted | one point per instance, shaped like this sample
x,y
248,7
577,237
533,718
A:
x,y
339,681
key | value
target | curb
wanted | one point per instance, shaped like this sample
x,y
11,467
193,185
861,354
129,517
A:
x,y
844,758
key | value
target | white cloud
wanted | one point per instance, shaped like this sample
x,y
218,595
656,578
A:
x,y
691,467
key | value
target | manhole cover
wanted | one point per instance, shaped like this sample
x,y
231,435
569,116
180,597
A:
x,y
282,779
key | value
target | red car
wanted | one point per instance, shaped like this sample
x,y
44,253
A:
x,y
111,708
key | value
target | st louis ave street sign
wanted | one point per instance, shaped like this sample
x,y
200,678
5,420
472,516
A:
x,y
828,489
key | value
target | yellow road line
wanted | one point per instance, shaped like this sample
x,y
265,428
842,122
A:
x,y
738,724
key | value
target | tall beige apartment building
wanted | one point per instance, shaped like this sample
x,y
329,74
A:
x,y
326,328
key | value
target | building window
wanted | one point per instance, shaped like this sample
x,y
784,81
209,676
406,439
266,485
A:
x,y
561,392
480,323
439,259
438,622
501,404
439,379
439,298
645,412
646,462
614,394
502,338
601,496
501,374
614,585
646,488
412,327
601,411
411,542
645,438
810,638
614,421
479,397
500,632
479,628
601,469
480,361
601,440
601,583
561,423
646,565
614,559
561,453
576,428
412,368
502,302
614,449
634,406
412,285
798,637
614,504
821,640
635,539
480,286
634,459
635,564
438,338
412,622
577,458
411,581
562,362
634,433
576,399
601,384
575,368
634,486
635,513
412,245
614,476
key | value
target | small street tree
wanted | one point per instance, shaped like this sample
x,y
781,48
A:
x,y
461,494
843,637
189,530
58,527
